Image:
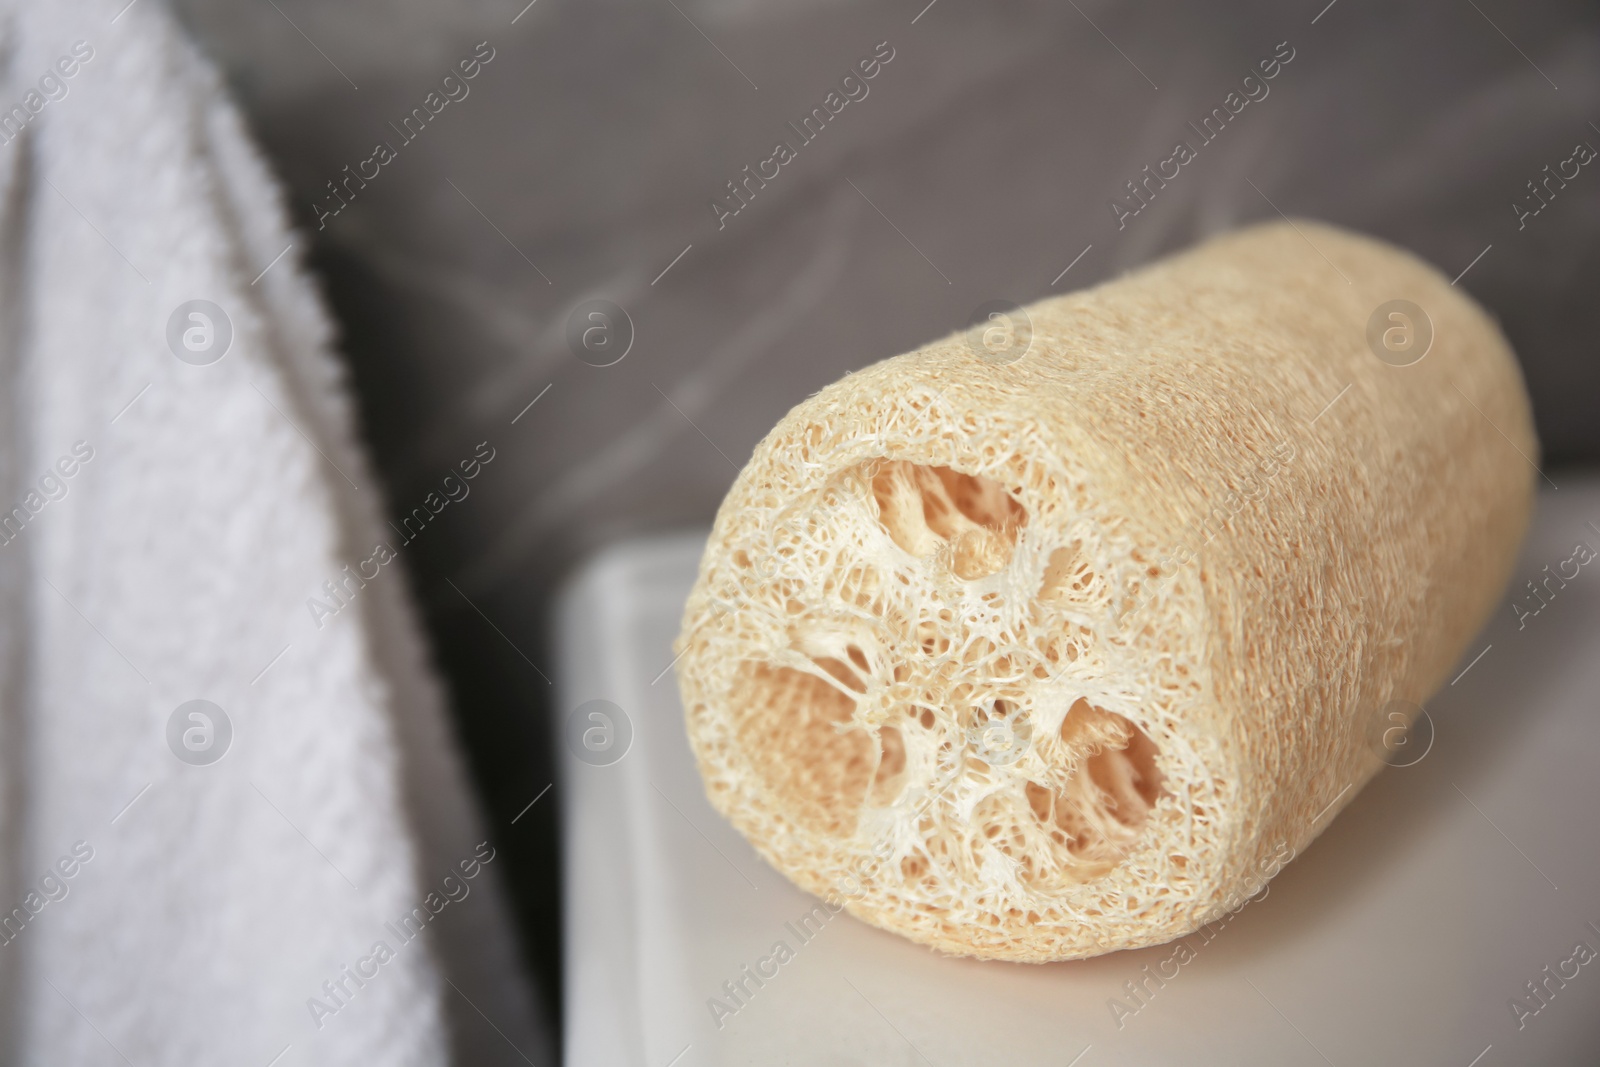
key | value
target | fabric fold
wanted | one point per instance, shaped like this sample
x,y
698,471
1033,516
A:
x,y
294,865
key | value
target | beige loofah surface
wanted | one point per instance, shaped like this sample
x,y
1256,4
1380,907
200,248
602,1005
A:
x,y
1041,659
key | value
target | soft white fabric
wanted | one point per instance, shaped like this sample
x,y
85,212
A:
x,y
177,566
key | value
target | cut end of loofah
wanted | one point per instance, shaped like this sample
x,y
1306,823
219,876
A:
x,y
923,690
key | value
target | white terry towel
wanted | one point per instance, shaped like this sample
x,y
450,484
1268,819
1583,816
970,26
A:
x,y
165,522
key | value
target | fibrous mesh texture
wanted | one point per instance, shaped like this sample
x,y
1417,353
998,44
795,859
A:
x,y
1042,659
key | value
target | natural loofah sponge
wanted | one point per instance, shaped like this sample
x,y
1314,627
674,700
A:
x,y
1039,659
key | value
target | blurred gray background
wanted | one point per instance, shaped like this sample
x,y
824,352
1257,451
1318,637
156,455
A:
x,y
979,166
